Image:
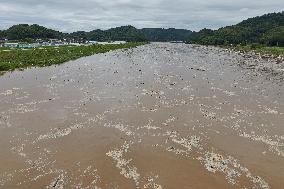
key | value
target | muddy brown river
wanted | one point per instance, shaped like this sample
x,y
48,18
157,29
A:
x,y
160,116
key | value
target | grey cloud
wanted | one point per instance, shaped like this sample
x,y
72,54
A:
x,y
72,15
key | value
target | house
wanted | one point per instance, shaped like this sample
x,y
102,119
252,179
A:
x,y
45,44
119,42
75,44
26,46
56,42
11,45
21,45
176,42
112,43
92,42
2,41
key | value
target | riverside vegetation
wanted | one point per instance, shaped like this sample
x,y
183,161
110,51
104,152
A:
x,y
261,49
17,58
262,34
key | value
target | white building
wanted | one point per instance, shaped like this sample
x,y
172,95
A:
x,y
112,43
11,45
92,42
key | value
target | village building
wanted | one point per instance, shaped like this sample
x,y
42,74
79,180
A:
x,y
112,43
11,45
92,42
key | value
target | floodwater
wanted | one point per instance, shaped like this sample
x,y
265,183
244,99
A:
x,y
160,116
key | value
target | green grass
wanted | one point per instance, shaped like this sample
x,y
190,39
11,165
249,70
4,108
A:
x,y
272,50
4,48
262,49
17,58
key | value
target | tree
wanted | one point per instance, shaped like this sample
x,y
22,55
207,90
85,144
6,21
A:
x,y
24,31
266,29
274,37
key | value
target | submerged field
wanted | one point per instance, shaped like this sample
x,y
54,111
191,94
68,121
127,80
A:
x,y
159,116
23,58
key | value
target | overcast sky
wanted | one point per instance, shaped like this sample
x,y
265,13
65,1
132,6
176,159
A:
x,y
73,15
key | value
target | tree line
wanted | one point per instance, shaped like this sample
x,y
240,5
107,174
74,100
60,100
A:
x,y
124,33
265,30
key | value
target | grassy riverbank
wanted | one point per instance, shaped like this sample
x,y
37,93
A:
x,y
262,49
19,58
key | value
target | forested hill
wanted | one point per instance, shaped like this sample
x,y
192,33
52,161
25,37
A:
x,y
25,31
171,34
130,33
267,30
123,33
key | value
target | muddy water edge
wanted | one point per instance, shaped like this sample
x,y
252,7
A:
x,y
157,116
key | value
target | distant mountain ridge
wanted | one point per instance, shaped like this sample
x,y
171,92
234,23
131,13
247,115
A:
x,y
267,30
123,33
161,34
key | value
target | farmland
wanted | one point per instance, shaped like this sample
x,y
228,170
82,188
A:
x,y
23,58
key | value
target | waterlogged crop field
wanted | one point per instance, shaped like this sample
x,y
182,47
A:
x,y
159,116
11,59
